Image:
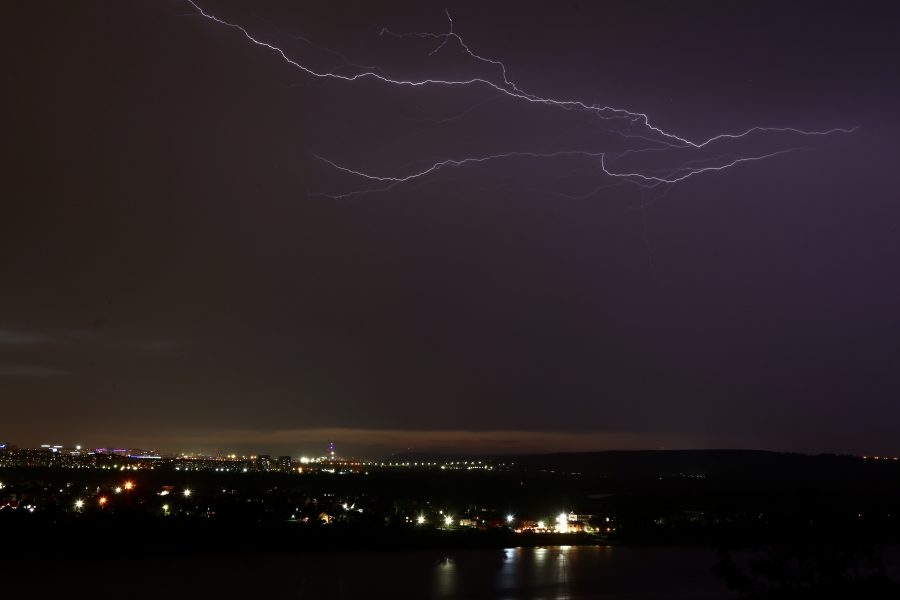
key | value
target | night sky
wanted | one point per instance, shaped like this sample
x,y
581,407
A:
x,y
179,271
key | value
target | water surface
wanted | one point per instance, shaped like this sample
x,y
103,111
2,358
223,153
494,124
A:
x,y
551,573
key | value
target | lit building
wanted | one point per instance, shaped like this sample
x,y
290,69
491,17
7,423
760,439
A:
x,y
582,518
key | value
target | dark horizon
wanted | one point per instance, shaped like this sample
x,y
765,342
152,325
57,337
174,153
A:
x,y
181,272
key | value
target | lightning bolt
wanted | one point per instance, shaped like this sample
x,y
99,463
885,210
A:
x,y
663,140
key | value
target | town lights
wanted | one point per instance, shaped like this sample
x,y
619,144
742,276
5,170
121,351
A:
x,y
79,504
420,520
102,500
510,518
118,489
165,508
187,492
129,485
448,520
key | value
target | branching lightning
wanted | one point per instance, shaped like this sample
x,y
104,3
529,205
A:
x,y
661,139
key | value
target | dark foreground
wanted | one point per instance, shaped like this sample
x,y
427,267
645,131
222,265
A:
x,y
545,573
784,526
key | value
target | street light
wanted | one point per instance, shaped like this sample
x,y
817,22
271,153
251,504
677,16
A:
x,y
187,492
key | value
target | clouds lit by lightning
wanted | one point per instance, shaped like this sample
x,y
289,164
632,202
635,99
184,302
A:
x,y
638,125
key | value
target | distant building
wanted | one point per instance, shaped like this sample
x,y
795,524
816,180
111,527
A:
x,y
264,462
583,518
284,463
576,527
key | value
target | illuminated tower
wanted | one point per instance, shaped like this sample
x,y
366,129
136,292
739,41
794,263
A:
x,y
331,450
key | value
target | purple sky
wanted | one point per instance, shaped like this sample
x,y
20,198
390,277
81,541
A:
x,y
172,276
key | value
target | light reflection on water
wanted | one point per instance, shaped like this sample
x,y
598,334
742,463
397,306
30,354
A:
x,y
576,573
446,578
542,570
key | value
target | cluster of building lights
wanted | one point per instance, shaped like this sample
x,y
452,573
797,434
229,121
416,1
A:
x,y
126,486
133,459
562,523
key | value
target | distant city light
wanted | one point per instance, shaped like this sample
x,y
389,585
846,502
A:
x,y
187,492
79,504
129,485
420,520
510,518
103,500
165,508
118,489
541,525
448,520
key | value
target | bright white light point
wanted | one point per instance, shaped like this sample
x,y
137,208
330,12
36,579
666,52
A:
x,y
344,506
562,525
420,520
79,504
541,524
118,489
187,493
165,507
448,520
510,518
